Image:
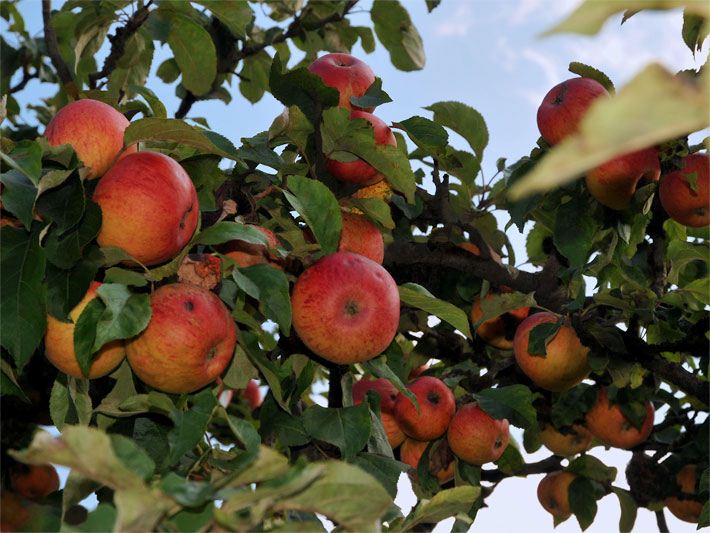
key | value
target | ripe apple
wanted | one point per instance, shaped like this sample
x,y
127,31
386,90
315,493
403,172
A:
x,y
614,183
564,106
564,365
360,172
149,207
498,331
476,437
361,236
247,254
13,514
350,75
59,344
95,131
688,509
683,204
553,493
436,408
252,394
387,393
34,482
441,462
576,440
607,423
189,341
345,308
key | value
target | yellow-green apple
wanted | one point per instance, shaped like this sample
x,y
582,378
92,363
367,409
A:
x,y
607,422
436,407
387,393
360,172
565,363
34,482
246,254
498,331
476,437
59,344
689,508
441,462
564,106
348,74
614,183
361,236
95,131
149,207
553,493
688,205
189,340
575,440
345,308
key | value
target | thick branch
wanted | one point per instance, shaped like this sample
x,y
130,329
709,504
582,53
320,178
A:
x,y
118,43
50,38
551,464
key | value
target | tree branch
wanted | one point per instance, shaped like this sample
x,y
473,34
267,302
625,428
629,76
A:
x,y
50,38
26,78
118,43
661,521
551,464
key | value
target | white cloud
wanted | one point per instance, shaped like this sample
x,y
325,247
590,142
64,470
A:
x,y
457,26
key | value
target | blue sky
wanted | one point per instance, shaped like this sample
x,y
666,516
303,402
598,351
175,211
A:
x,y
486,54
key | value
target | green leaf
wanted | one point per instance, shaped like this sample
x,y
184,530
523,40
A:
x,y
590,467
319,208
267,368
59,402
629,509
511,461
541,335
269,285
124,277
85,331
398,35
133,456
287,428
348,428
583,501
587,71
186,493
242,430
190,425
572,405
417,296
25,156
444,504
428,135
18,196
378,367
574,241
23,315
376,209
64,205
513,402
235,14
254,76
231,231
125,316
653,107
178,131
195,53
494,305
9,384
79,396
64,249
384,469
154,102
465,121
373,97
168,71
694,31
65,288
704,519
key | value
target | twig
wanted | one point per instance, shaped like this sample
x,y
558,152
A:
x,y
661,521
551,464
50,38
26,77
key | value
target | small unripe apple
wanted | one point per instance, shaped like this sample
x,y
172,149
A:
x,y
688,509
411,453
246,254
576,440
149,207
436,407
345,308
95,131
35,482
350,75
360,172
361,236
683,204
565,363
553,493
608,423
59,344
614,183
387,393
189,340
564,106
476,437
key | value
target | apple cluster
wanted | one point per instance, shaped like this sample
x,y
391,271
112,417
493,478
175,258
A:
x,y
684,193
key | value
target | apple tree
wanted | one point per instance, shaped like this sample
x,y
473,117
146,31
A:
x,y
154,274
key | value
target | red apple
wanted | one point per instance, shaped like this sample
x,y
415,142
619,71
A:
x,y
246,254
189,341
436,405
475,437
95,131
35,482
346,308
149,207
564,106
565,363
441,462
348,74
683,204
498,331
361,236
253,394
614,183
360,172
553,493
608,423
387,393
